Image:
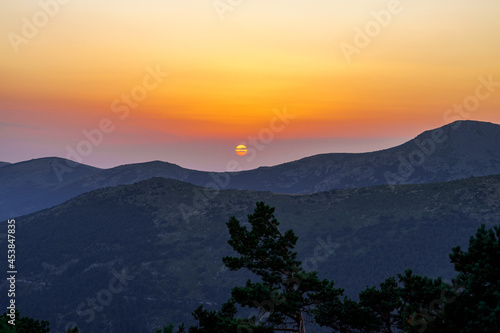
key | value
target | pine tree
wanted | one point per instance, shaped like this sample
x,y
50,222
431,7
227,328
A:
x,y
286,295
382,306
23,324
478,305
224,321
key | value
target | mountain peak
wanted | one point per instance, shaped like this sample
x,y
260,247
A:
x,y
45,162
45,171
464,127
470,139
455,151
469,125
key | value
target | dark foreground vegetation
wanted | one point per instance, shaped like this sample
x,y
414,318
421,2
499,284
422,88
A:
x,y
286,298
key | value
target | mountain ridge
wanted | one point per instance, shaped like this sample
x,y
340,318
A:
x,y
176,262
455,151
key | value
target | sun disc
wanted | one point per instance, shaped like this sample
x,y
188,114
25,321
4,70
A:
x,y
241,150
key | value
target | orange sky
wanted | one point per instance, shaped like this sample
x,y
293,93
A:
x,y
62,66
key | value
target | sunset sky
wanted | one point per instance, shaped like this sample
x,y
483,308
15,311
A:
x,y
203,76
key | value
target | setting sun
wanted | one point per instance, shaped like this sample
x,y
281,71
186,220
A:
x,y
241,150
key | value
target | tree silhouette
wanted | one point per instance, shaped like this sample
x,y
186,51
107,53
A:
x,y
288,298
286,295
23,324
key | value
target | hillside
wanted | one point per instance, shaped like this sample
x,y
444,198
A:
x,y
33,185
67,254
455,151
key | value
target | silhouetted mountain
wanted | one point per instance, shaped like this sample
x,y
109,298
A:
x,y
132,173
170,237
46,182
4,164
455,151
33,185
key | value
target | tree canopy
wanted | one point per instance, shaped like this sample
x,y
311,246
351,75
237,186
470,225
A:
x,y
23,324
285,293
289,298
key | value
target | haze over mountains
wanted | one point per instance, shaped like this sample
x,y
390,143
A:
x,y
455,151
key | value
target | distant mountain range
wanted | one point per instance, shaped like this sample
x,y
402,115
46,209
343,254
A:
x,y
166,227
74,252
455,151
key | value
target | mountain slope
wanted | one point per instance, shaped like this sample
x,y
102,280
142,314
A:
x,y
33,185
455,151
74,252
41,183
4,164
